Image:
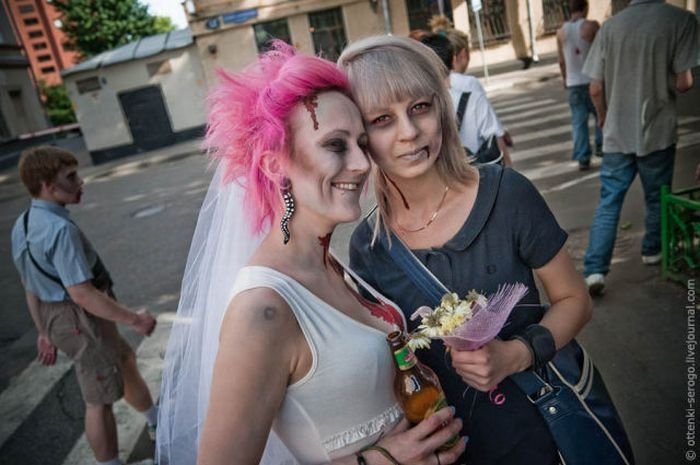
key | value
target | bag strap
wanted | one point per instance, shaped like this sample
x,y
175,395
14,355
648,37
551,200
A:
x,y
461,107
55,279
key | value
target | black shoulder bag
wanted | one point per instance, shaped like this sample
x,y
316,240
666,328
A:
x,y
489,152
568,391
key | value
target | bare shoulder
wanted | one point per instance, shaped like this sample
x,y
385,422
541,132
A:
x,y
259,311
560,33
589,30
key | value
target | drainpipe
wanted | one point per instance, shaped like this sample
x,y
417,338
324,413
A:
x,y
533,46
387,17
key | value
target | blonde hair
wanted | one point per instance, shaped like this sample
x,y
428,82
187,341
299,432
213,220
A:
x,y
442,25
386,69
42,164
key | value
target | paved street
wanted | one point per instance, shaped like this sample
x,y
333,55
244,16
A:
x,y
140,217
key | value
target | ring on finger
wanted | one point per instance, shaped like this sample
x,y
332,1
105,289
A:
x,y
437,456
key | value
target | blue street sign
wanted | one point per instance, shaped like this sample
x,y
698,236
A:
x,y
240,16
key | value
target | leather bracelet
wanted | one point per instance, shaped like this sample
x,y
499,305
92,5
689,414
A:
x,y
387,455
540,342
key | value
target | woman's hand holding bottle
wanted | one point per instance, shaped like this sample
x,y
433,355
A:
x,y
420,444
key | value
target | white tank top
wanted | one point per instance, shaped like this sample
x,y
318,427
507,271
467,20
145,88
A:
x,y
575,53
346,400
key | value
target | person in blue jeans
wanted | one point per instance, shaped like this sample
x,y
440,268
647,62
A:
x,y
581,108
574,40
617,172
639,62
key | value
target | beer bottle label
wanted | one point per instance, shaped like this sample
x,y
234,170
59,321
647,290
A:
x,y
439,404
405,358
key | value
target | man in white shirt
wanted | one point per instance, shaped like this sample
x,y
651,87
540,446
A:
x,y
479,122
574,40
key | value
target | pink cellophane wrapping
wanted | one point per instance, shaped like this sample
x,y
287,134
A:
x,y
486,321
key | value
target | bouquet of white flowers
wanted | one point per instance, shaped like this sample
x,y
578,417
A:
x,y
469,323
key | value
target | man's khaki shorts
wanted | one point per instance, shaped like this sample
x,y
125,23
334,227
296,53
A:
x,y
95,346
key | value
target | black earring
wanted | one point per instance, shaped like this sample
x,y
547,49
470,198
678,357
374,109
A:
x,y
288,210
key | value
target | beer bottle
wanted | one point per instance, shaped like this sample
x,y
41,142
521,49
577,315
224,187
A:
x,y
416,386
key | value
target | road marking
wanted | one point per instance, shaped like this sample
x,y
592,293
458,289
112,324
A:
x,y
551,169
131,423
688,140
538,111
685,140
688,119
531,123
502,104
567,184
18,401
555,131
520,155
525,106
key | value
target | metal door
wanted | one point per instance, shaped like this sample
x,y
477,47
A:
x,y
148,119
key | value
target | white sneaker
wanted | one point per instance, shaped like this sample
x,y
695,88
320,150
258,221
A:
x,y
596,284
651,259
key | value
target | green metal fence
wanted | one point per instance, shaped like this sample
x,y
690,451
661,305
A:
x,y
680,233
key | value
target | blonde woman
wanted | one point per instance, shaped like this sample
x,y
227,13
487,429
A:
x,y
474,229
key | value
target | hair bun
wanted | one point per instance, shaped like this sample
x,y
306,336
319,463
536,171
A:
x,y
440,23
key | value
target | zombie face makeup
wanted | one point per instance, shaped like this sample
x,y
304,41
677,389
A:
x,y
67,186
405,136
329,164
311,103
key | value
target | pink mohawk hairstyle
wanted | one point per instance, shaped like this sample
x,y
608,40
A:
x,y
248,116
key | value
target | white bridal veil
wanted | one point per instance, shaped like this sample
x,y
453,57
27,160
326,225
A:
x,y
221,245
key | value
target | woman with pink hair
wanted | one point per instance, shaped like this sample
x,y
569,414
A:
x,y
300,357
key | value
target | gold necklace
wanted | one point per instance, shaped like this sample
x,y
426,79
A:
x,y
432,218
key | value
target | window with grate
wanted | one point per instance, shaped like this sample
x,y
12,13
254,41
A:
x,y
494,23
265,32
48,70
420,12
328,33
43,58
35,34
86,85
28,8
556,12
31,21
40,46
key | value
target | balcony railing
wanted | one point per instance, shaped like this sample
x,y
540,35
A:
x,y
556,12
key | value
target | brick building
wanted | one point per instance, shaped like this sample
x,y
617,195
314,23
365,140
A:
x,y
37,25
20,108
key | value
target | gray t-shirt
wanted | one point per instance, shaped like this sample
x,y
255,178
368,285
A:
x,y
637,54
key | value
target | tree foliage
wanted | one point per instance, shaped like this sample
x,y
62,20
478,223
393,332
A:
x,y
58,104
94,26
163,24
